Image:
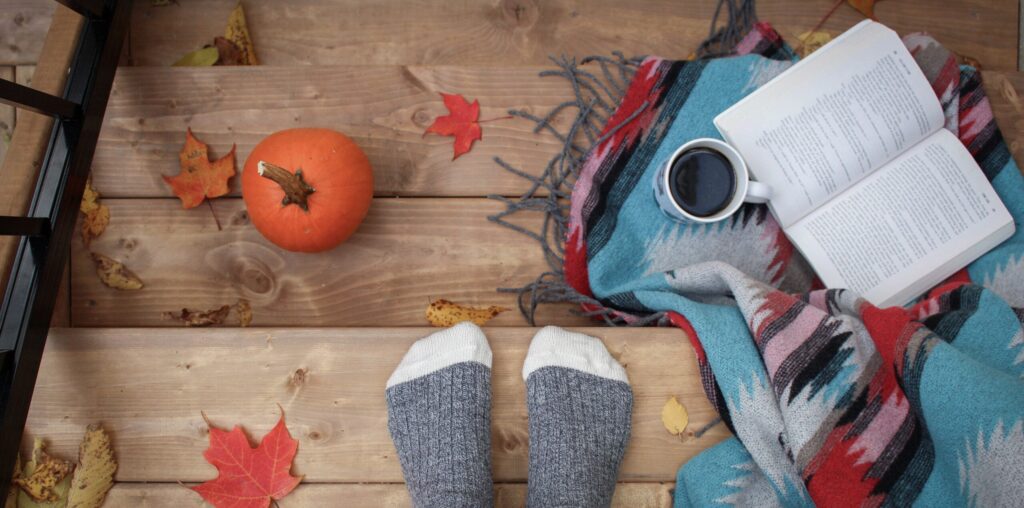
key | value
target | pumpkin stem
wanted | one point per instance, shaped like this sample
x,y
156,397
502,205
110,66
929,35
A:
x,y
296,190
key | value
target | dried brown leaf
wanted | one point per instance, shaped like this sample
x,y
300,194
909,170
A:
x,y
237,31
443,313
114,274
97,215
201,318
229,52
95,472
244,312
42,474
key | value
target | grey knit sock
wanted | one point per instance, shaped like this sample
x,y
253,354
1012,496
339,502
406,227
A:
x,y
579,404
439,416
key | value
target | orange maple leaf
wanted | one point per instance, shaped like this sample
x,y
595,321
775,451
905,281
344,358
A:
x,y
461,123
199,178
249,477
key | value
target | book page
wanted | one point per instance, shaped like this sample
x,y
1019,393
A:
x,y
906,227
832,119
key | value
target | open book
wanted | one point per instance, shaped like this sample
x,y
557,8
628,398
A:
x,y
867,183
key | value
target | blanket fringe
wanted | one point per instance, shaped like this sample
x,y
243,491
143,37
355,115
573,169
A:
x,y
595,100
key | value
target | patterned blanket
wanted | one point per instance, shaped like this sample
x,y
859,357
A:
x,y
832,401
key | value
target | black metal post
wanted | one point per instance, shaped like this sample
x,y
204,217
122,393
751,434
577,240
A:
x,y
40,260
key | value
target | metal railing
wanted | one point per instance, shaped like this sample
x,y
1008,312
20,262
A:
x,y
47,227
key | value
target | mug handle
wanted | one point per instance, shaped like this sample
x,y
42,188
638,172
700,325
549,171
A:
x,y
757,192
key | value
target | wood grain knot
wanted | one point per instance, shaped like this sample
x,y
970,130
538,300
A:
x,y
510,441
298,378
251,268
127,244
240,219
520,14
422,118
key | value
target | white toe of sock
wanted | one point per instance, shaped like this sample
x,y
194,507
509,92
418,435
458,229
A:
x,y
464,342
555,347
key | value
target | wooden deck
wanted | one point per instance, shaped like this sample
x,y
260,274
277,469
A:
x,y
331,327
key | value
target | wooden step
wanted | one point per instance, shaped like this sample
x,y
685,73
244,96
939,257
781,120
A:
x,y
406,254
504,32
516,32
150,388
385,109
389,495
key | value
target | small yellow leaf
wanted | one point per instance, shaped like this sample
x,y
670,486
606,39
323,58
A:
x,y
199,58
95,473
114,274
97,215
41,476
237,32
812,41
674,416
244,311
443,313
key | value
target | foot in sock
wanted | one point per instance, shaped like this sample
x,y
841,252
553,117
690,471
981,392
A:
x,y
580,404
439,416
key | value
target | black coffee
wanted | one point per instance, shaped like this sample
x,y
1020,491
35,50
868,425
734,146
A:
x,y
702,182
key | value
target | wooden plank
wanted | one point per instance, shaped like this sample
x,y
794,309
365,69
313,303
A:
x,y
385,109
24,157
517,32
23,76
1002,88
6,116
23,29
407,253
149,387
376,495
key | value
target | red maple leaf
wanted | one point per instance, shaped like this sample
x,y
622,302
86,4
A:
x,y
461,123
249,477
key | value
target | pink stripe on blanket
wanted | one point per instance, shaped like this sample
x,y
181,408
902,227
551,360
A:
x,y
881,429
584,185
974,120
791,337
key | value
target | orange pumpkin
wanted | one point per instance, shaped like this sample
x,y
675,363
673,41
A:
x,y
307,190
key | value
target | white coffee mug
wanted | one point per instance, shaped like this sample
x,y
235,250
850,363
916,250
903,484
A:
x,y
747,190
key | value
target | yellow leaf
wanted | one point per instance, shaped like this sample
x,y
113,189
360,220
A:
x,y
95,472
442,313
238,32
811,41
674,416
244,311
114,274
866,7
41,476
60,492
97,215
199,58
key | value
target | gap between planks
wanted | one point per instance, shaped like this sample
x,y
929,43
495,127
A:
x,y
150,387
375,495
